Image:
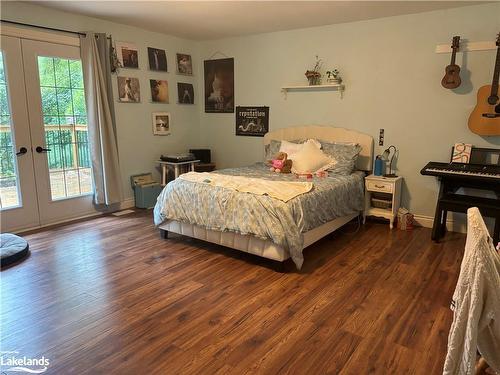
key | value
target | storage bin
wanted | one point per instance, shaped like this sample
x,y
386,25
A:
x,y
146,190
381,203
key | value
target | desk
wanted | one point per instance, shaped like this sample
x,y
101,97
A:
x,y
177,168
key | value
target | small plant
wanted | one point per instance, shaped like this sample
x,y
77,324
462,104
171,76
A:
x,y
314,75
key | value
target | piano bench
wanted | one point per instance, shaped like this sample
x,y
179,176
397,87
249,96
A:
x,y
461,203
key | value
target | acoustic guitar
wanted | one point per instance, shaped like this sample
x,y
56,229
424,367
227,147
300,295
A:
x,y
451,79
485,118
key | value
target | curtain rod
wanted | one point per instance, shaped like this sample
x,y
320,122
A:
x,y
45,27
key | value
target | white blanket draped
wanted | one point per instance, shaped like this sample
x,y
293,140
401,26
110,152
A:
x,y
282,190
476,303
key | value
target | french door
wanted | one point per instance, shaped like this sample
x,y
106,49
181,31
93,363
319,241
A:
x,y
45,173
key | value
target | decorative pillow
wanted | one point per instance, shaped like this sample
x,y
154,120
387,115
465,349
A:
x,y
346,155
310,159
272,149
292,148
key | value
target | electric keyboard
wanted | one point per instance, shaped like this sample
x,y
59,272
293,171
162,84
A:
x,y
487,172
481,173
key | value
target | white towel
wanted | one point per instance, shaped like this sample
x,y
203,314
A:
x,y
282,190
476,303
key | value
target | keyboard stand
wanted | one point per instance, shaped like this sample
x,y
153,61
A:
x,y
449,200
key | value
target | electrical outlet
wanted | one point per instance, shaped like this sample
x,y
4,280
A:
x,y
381,137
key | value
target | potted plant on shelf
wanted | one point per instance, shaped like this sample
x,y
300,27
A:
x,y
334,76
314,76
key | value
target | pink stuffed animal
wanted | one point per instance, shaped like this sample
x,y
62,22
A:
x,y
280,163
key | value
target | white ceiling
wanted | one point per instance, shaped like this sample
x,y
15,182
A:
x,y
203,20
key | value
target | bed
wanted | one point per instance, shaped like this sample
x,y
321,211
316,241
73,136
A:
x,y
262,225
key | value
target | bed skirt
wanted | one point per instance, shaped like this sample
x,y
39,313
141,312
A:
x,y
251,244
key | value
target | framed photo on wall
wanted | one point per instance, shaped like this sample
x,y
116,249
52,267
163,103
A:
x,y
128,55
129,90
185,93
184,64
157,59
161,123
252,121
159,90
219,85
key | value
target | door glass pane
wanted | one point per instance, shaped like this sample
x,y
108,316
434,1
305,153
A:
x,y
65,122
9,182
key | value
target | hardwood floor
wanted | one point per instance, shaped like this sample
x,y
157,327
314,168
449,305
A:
x,y
108,296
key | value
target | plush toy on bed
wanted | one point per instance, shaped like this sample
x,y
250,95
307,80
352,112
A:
x,y
281,163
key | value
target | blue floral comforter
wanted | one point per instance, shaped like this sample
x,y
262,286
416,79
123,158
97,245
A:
x,y
222,209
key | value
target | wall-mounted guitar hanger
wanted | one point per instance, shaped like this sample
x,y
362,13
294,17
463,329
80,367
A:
x,y
467,46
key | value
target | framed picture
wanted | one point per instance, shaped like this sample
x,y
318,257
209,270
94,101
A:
x,y
219,85
185,92
159,90
129,90
161,123
184,64
252,121
157,59
128,55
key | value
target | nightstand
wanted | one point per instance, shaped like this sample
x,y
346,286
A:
x,y
382,197
204,167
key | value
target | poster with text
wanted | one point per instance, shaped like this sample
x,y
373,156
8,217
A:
x,y
219,85
252,121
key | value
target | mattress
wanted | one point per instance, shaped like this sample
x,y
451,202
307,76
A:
x,y
224,210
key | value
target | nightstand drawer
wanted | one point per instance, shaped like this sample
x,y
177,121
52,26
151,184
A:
x,y
384,187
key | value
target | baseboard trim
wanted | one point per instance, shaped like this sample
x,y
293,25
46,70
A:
x,y
125,204
451,225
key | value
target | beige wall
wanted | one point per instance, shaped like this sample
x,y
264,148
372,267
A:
x,y
137,147
392,78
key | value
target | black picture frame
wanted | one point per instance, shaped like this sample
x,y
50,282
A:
x,y
252,121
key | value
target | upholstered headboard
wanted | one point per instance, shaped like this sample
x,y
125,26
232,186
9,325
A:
x,y
328,134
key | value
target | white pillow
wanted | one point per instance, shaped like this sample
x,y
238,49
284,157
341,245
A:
x,y
311,159
291,148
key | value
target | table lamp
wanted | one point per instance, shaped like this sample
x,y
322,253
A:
x,y
386,155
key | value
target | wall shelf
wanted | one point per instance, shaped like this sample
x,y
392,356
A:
x,y
327,87
467,46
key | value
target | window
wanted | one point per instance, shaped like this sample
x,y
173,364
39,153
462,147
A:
x,y
9,182
65,122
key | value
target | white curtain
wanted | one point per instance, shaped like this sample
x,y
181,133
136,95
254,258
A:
x,y
100,114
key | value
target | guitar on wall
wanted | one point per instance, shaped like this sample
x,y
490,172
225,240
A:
x,y
451,79
485,118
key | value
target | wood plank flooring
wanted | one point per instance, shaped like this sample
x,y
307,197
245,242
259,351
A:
x,y
108,296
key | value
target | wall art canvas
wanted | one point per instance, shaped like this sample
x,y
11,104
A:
x,y
252,121
219,85
184,64
129,90
185,92
128,55
159,90
157,59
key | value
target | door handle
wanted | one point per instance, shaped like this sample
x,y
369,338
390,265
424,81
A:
x,y
40,149
22,151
